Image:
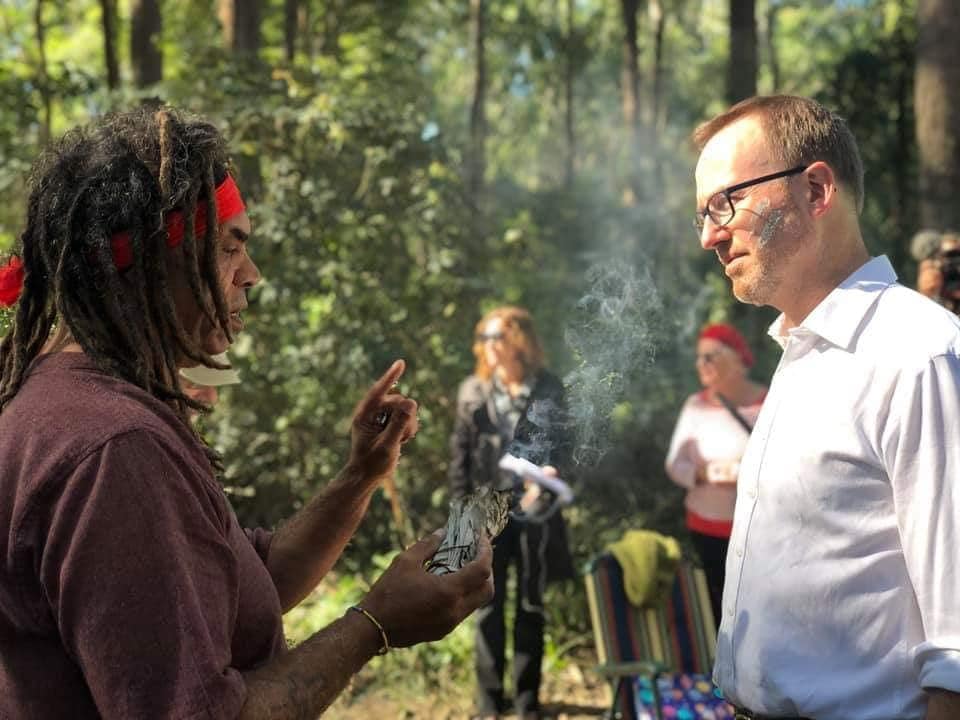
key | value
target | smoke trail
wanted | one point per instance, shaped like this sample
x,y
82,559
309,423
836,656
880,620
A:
x,y
612,334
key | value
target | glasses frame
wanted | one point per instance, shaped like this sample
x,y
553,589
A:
x,y
489,337
708,357
700,216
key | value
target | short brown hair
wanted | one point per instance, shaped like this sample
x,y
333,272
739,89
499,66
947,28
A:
x,y
519,334
800,131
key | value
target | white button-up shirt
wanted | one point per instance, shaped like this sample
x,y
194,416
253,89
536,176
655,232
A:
x,y
842,596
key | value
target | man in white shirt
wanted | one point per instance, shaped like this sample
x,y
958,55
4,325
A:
x,y
842,596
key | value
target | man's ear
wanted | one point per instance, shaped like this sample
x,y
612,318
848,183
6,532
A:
x,y
821,187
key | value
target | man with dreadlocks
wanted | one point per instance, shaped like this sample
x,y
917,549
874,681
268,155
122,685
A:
x,y
127,588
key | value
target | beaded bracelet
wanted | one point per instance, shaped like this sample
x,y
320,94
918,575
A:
x,y
383,633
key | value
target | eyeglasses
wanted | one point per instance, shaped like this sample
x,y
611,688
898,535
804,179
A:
x,y
493,337
707,357
720,208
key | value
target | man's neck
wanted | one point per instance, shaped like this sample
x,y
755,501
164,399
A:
x,y
838,263
60,341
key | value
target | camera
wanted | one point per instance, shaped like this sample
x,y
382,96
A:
x,y
948,259
942,250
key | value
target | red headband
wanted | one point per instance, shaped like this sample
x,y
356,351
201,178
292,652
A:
x,y
729,336
229,204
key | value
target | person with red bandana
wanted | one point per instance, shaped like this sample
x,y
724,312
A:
x,y
128,588
708,440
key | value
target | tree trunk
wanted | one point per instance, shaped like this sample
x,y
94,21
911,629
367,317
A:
x,y
241,30
937,108
476,166
568,116
904,208
308,47
108,15
630,81
241,25
290,26
659,19
330,37
43,78
772,56
145,55
742,67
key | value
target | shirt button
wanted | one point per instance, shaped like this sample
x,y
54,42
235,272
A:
x,y
752,493
730,611
739,552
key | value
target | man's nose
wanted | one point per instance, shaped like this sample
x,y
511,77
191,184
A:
x,y
712,234
249,274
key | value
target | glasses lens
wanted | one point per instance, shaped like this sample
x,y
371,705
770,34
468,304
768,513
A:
x,y
698,223
484,337
720,209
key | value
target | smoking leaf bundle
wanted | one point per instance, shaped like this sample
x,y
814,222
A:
x,y
483,511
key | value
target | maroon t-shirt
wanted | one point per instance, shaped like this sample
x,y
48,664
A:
x,y
127,588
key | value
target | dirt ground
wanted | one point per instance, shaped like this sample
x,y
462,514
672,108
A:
x,y
572,693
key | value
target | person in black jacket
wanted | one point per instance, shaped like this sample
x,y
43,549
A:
x,y
511,402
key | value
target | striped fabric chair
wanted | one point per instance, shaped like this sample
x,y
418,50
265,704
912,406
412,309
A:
x,y
637,647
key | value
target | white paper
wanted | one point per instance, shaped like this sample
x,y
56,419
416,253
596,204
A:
x,y
533,472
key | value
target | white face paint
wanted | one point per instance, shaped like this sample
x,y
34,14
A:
x,y
771,222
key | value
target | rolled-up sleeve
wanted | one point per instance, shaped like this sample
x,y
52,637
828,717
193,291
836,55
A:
x,y
923,454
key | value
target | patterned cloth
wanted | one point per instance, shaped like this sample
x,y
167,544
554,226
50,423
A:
x,y
684,696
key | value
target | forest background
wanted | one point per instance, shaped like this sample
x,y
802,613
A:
x,y
410,164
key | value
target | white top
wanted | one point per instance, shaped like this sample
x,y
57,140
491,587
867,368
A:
x,y
706,432
842,594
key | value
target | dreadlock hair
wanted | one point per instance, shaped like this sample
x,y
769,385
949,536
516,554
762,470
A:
x,y
122,173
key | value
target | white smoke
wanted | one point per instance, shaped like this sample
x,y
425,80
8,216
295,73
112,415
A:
x,y
611,334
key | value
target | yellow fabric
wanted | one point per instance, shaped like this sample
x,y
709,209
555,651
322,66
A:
x,y
649,561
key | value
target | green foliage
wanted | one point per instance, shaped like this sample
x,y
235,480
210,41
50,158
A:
x,y
371,249
442,666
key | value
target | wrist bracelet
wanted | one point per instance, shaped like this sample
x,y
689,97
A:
x,y
383,633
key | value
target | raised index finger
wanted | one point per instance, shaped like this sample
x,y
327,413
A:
x,y
380,387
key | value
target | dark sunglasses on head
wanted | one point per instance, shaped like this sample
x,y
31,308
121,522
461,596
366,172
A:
x,y
484,337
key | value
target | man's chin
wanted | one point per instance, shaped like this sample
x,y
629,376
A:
x,y
216,343
747,293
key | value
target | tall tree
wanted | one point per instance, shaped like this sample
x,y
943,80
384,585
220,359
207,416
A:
x,y
291,10
658,18
773,59
477,162
146,58
108,20
630,97
569,74
937,110
742,65
241,32
304,31
241,25
43,76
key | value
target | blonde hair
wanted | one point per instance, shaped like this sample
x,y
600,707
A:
x,y
518,334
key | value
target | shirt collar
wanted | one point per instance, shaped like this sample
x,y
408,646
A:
x,y
839,316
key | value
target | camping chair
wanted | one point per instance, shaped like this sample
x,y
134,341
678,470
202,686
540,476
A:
x,y
654,654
